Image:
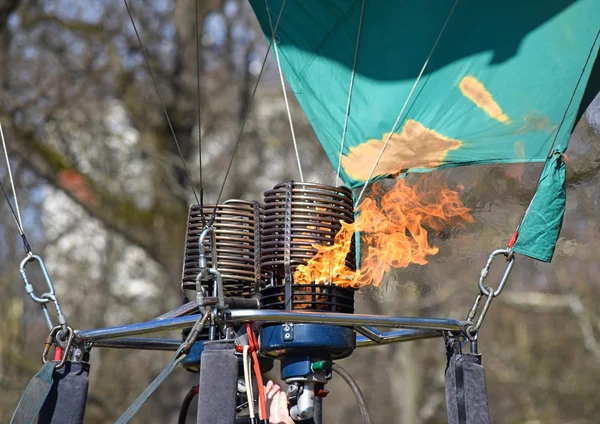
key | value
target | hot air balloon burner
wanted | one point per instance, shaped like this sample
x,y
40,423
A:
x,y
222,260
298,216
235,239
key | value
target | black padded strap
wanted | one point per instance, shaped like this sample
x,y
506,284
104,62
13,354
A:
x,y
466,394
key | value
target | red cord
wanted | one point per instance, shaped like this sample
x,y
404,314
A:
x,y
513,239
58,353
252,343
253,347
262,399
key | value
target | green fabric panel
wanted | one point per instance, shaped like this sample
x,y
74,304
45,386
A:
x,y
527,55
540,229
495,90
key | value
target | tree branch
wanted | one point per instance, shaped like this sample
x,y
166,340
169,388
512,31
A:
x,y
116,213
29,21
533,301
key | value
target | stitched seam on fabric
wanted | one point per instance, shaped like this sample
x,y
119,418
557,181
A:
x,y
460,392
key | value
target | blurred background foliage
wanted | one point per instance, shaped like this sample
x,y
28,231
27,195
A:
x,y
104,200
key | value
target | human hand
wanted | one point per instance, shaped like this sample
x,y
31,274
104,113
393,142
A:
x,y
277,404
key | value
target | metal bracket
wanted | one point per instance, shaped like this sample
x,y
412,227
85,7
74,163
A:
x,y
288,332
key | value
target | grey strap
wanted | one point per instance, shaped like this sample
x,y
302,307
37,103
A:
x,y
177,359
143,397
34,396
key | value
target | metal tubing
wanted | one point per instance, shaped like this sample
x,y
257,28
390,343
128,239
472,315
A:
x,y
234,302
347,320
185,309
396,337
140,343
369,332
379,338
242,302
135,329
246,315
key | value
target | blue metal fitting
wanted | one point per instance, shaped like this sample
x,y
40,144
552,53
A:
x,y
319,341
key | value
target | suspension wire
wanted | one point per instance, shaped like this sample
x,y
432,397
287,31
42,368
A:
x,y
551,150
360,21
201,189
389,137
287,105
246,114
26,245
16,214
12,182
187,173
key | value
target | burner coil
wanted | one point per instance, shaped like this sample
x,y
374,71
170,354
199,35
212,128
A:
x,y
237,233
298,215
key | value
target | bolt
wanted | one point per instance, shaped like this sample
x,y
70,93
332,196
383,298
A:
x,y
287,336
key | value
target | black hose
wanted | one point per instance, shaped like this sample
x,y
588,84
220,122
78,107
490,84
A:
x,y
356,390
185,406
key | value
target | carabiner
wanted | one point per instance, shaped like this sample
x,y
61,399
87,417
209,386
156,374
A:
x,y
510,257
51,339
213,249
204,275
218,290
28,287
471,329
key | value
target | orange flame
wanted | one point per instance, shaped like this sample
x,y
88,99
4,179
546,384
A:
x,y
393,231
